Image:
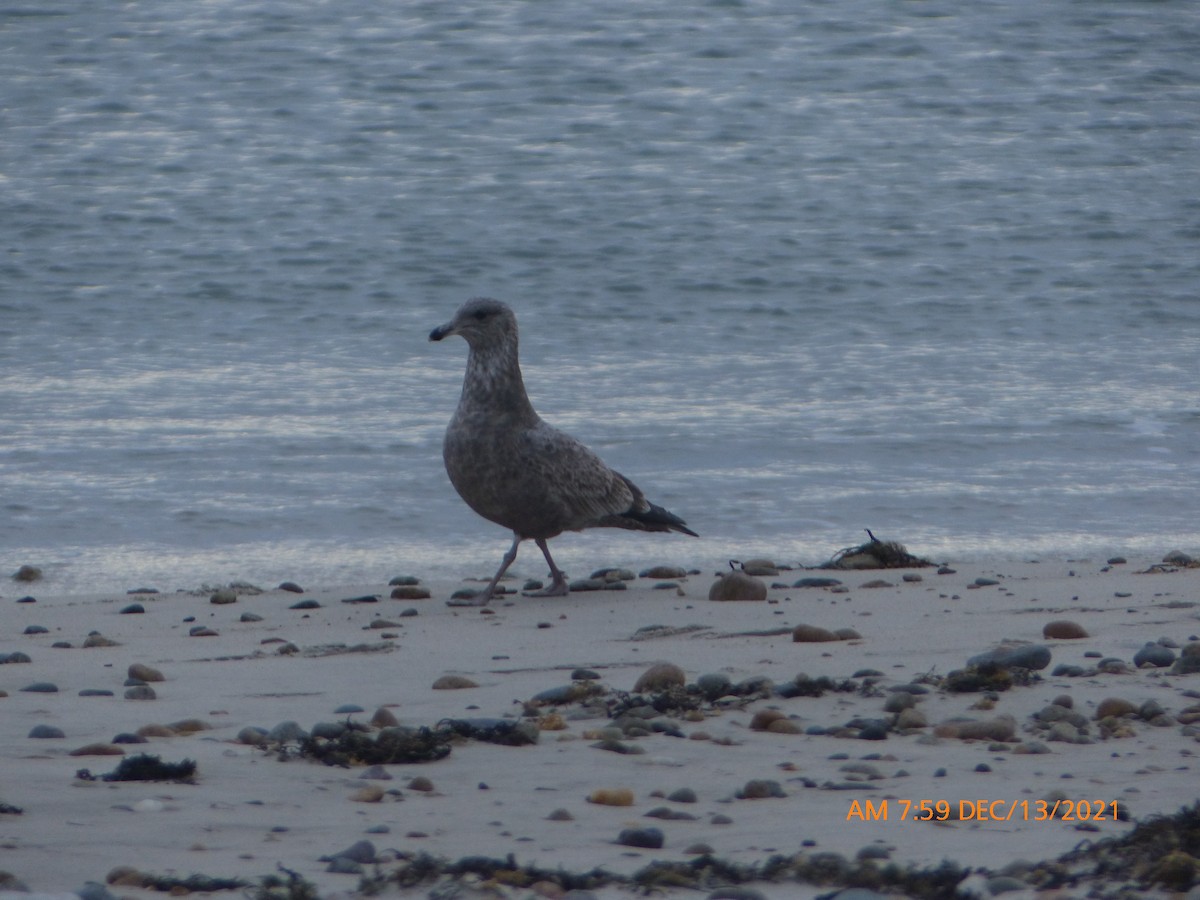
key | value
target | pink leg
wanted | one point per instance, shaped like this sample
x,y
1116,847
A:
x,y
558,578
484,596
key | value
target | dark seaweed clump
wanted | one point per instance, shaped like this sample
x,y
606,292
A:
x,y
391,746
702,873
875,554
145,767
1162,851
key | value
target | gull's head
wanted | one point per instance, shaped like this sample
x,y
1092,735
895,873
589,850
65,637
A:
x,y
480,322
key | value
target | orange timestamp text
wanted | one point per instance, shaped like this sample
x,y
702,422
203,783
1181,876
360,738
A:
x,y
901,810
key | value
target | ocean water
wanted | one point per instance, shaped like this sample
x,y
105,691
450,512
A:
x,y
797,269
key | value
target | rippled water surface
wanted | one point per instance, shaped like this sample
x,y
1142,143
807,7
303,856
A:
x,y
921,267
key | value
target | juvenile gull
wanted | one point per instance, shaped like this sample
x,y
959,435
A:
x,y
517,471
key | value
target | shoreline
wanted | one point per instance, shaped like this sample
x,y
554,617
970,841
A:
x,y
248,812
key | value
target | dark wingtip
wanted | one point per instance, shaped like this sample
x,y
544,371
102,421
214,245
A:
x,y
658,519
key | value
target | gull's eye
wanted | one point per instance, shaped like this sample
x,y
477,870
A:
x,y
481,314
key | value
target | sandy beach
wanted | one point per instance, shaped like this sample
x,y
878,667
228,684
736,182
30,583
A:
x,y
700,748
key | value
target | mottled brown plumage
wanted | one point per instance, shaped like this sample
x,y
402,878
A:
x,y
517,471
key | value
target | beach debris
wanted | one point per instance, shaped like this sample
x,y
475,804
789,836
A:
x,y
145,767
127,876
505,732
875,554
390,746
737,585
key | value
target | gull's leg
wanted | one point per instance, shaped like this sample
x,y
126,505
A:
x,y
482,598
558,583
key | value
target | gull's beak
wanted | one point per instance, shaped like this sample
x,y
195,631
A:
x,y
442,331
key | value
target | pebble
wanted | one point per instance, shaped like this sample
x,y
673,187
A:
x,y
371,793
911,718
560,815
98,749
660,677
27,574
329,731
663,572
291,587
1063,630
384,718
126,738
1154,656
611,797
765,567
203,631
36,629
45,732
252,735
807,634
1018,656
140,692
410,592
453,683
145,673
286,732
613,574
41,687
816,583
647,838
682,795
305,604
133,609
95,692
16,657
360,852
760,789
1001,728
714,685
737,586
1114,706
95,639
250,617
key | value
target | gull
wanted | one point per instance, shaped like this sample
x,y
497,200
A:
x,y
517,471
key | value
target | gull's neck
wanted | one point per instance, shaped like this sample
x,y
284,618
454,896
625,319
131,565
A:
x,y
493,385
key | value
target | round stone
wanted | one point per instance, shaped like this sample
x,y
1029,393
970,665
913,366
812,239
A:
x,y
660,677
1063,630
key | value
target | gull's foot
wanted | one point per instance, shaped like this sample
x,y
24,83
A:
x,y
558,588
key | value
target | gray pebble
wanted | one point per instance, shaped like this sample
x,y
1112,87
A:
x,y
250,617
41,732
141,692
41,687
328,730
1155,656
285,732
682,795
95,692
133,609
15,657
1026,656
648,838
36,629
252,735
359,851
126,737
93,890
306,604
714,685
816,583
347,708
